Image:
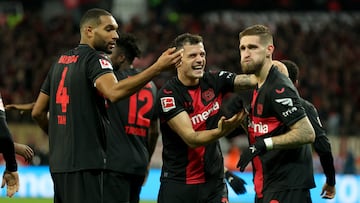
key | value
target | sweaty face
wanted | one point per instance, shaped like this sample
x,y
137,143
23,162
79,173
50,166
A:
x,y
252,54
105,34
193,62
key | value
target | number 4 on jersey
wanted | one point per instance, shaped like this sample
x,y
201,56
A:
x,y
62,97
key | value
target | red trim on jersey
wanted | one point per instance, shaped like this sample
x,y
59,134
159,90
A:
x,y
195,169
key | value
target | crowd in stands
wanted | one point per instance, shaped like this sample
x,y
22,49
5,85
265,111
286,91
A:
x,y
327,49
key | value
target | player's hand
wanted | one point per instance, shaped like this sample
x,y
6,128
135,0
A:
x,y
226,126
23,108
248,154
24,151
11,180
170,59
328,192
236,183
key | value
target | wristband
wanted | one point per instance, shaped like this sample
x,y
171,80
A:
x,y
268,143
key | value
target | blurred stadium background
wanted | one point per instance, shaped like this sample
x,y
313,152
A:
x,y
321,36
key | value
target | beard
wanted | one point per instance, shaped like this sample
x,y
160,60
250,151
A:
x,y
252,67
101,45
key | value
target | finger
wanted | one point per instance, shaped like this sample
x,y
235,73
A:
x,y
3,183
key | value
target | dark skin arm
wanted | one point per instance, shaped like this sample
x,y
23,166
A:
x,y
115,90
40,112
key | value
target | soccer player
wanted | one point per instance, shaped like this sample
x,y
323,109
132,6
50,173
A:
x,y
133,130
73,94
10,175
321,145
278,128
189,104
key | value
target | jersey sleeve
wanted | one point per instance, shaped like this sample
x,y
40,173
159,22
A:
x,y
45,87
6,142
286,102
225,80
321,145
169,104
98,65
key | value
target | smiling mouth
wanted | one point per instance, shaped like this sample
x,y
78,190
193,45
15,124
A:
x,y
197,68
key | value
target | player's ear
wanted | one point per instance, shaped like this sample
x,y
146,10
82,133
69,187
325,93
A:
x,y
270,50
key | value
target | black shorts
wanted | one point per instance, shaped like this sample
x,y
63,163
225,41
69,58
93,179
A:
x,y
293,196
122,187
80,186
209,192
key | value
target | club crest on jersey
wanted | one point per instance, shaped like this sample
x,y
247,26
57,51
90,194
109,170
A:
x,y
167,103
105,64
208,95
259,109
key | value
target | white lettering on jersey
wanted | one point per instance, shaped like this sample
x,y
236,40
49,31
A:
x,y
105,64
229,74
285,101
289,111
200,117
2,108
259,127
167,103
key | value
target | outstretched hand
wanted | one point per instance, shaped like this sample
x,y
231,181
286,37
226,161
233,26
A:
x,y
24,151
236,183
226,126
11,180
23,108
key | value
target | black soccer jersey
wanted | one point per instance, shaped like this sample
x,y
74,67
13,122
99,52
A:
x,y
129,128
77,110
202,102
274,107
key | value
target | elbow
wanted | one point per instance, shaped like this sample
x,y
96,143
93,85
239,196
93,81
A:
x,y
193,145
35,115
312,136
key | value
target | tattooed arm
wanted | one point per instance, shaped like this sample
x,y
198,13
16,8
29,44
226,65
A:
x,y
300,133
244,82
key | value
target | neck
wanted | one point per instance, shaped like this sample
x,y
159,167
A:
x,y
264,72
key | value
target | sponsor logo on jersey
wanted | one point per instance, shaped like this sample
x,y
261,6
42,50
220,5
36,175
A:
x,y
285,101
289,111
201,117
208,95
105,64
167,103
280,90
1,105
259,127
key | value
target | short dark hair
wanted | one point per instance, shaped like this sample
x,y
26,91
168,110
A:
x,y
258,30
293,70
127,44
93,16
186,38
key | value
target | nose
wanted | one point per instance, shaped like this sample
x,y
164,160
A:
x,y
199,59
115,35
